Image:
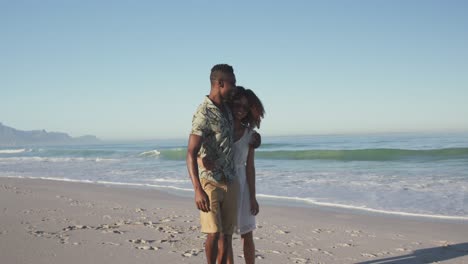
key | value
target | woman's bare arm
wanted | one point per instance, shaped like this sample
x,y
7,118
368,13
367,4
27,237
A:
x,y
250,173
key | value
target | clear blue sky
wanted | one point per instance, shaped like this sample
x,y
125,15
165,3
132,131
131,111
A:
x,y
139,69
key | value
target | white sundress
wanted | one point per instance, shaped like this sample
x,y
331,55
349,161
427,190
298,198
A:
x,y
245,219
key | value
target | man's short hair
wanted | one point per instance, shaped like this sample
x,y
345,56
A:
x,y
219,71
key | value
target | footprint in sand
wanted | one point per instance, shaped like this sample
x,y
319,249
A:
x,y
355,233
106,217
76,227
150,224
320,230
147,248
143,244
170,239
141,241
399,235
443,243
299,260
105,228
282,232
44,234
293,243
112,228
14,189
110,243
369,255
401,249
139,210
258,256
320,250
61,237
64,239
191,253
29,211
343,245
383,253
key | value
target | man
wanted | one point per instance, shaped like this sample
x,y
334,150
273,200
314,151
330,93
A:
x,y
211,137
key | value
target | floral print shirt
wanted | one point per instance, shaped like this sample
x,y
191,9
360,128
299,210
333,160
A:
x,y
216,127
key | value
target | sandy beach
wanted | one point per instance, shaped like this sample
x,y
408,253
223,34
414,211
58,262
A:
x,y
45,221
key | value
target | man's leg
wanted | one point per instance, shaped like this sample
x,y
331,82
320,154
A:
x,y
211,247
211,221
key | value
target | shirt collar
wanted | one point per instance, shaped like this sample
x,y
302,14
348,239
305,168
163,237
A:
x,y
210,104
219,112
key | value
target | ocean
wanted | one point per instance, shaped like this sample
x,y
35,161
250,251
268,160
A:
x,y
413,174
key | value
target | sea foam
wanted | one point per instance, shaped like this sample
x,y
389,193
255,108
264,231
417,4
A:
x,y
14,151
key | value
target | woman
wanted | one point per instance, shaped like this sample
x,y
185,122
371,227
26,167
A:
x,y
248,112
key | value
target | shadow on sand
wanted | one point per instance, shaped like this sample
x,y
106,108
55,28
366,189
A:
x,y
426,255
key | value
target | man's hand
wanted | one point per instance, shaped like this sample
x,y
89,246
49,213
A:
x,y
254,208
255,140
202,201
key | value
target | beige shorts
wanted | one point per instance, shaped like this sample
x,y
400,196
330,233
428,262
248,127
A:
x,y
222,216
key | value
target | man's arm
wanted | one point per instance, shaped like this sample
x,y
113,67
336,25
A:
x,y
201,199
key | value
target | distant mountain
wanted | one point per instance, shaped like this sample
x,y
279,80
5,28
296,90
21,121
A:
x,y
14,137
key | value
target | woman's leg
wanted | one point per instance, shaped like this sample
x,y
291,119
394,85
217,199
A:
x,y
249,247
225,252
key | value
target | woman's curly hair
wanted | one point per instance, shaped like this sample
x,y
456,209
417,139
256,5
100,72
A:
x,y
256,110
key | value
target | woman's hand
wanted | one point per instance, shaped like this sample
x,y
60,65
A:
x,y
255,140
254,208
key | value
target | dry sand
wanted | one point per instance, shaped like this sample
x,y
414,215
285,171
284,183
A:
x,y
44,221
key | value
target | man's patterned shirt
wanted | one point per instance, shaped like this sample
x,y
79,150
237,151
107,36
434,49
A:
x,y
217,130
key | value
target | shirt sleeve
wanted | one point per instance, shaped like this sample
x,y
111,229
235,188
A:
x,y
199,124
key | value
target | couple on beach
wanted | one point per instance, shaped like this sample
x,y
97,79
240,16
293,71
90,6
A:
x,y
220,162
